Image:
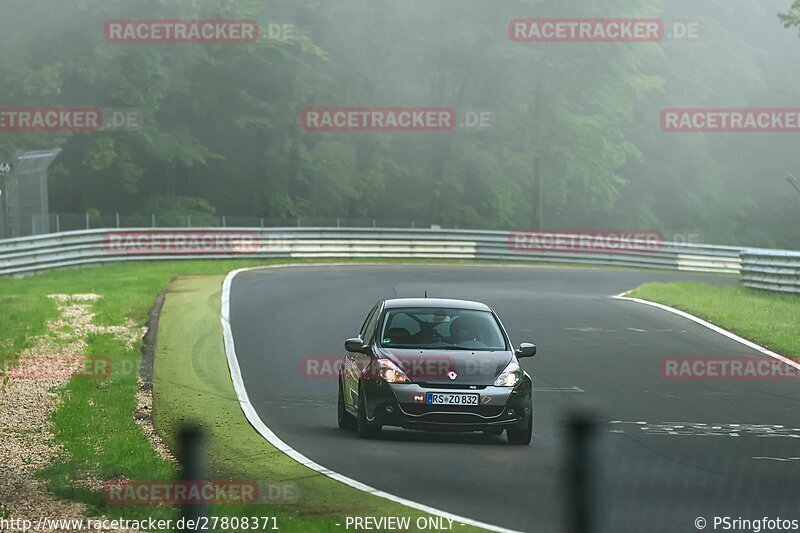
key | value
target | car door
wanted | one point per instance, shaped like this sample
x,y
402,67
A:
x,y
355,363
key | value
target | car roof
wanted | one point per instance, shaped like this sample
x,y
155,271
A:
x,y
395,303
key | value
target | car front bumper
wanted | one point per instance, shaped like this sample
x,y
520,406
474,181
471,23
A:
x,y
399,405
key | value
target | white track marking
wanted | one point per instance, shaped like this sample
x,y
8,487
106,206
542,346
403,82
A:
x,y
712,327
266,432
782,459
702,429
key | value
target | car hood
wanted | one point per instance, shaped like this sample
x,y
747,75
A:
x,y
436,366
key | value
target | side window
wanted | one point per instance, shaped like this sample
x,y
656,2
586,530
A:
x,y
367,320
369,330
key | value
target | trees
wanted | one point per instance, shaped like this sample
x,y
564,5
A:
x,y
574,142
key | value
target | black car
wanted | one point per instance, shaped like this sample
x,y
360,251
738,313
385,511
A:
x,y
437,365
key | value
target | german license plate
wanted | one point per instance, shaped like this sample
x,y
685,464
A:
x,y
451,398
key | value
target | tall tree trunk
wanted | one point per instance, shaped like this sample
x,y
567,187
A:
x,y
538,194
293,169
537,179
441,157
439,162
170,181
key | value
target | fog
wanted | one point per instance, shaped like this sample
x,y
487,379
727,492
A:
x,y
548,134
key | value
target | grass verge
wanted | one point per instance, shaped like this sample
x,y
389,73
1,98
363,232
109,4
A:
x,y
771,320
93,424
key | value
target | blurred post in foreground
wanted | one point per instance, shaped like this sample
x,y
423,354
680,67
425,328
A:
x,y
193,469
581,471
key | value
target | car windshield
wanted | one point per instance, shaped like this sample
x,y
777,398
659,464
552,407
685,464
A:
x,y
441,328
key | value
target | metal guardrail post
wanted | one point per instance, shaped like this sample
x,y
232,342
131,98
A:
x,y
87,220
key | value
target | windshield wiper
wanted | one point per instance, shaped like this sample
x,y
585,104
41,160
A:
x,y
457,347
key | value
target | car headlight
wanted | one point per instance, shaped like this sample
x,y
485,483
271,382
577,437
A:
x,y
509,377
390,372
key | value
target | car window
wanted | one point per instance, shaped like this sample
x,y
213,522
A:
x,y
371,323
402,321
370,315
441,328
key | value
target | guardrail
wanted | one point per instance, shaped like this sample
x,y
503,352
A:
x,y
771,270
32,254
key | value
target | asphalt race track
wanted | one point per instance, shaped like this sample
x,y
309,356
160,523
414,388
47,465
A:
x,y
671,451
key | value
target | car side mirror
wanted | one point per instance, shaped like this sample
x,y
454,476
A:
x,y
526,349
355,345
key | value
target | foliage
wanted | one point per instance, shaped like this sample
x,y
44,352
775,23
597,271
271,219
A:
x,y
575,141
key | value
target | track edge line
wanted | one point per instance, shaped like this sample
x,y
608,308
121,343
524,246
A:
x,y
264,430
712,327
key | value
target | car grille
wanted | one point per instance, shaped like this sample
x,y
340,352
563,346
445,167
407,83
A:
x,y
484,411
466,388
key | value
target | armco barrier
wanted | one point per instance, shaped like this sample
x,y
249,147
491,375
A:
x,y
771,270
42,252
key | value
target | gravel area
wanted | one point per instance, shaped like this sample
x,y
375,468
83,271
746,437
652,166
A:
x,y
144,418
27,401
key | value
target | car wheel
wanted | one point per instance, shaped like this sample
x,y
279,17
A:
x,y
521,436
493,431
345,419
365,430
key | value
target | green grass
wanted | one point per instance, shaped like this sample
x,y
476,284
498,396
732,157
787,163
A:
x,y
23,316
771,320
94,423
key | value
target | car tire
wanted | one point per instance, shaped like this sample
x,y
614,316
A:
x,y
521,436
493,431
345,419
364,429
